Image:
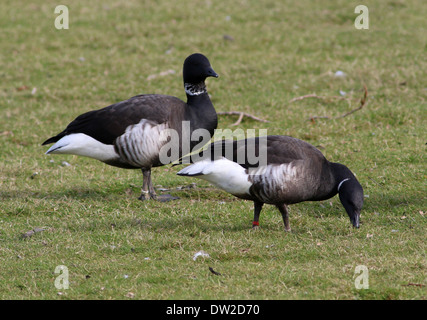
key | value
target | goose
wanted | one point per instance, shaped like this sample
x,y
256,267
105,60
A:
x,y
293,171
130,134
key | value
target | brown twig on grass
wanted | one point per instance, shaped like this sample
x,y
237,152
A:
x,y
214,272
362,104
414,284
241,115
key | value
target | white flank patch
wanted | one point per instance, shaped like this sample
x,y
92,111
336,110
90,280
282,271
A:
x,y
273,179
141,142
274,173
224,174
83,145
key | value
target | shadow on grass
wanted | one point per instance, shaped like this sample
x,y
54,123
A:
x,y
75,193
192,226
122,191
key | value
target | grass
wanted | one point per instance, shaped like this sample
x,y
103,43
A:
x,y
116,247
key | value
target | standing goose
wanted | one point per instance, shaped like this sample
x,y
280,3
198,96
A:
x,y
130,133
294,171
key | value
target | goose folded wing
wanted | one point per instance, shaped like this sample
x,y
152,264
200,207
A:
x,y
106,124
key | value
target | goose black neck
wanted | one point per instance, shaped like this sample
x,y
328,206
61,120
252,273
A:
x,y
341,173
350,192
200,112
200,104
199,100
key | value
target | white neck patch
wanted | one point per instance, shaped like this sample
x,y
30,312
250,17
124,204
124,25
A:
x,y
194,90
340,184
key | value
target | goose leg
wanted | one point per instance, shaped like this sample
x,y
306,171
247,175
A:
x,y
147,191
285,215
257,212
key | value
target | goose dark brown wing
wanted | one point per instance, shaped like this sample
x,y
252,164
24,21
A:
x,y
108,123
265,150
285,149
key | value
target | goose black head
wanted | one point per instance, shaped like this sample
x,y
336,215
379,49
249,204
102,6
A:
x,y
197,68
351,196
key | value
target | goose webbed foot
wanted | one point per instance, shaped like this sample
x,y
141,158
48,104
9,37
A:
x,y
146,195
255,225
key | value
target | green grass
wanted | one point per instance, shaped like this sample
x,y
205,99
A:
x,y
116,247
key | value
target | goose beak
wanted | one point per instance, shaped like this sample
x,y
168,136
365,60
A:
x,y
212,73
355,221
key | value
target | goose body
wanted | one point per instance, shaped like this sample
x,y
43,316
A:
x,y
294,171
130,134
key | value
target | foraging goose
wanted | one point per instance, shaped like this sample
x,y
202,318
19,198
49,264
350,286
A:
x,y
130,133
294,171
